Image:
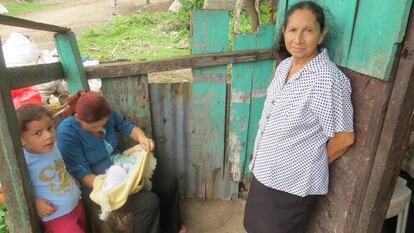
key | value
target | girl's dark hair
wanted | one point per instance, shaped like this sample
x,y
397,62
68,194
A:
x,y
315,8
30,112
89,106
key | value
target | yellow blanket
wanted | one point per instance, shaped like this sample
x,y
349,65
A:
x,y
138,177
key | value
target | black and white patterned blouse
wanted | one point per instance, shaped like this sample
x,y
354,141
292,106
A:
x,y
297,120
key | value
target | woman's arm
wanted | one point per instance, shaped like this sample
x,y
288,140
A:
x,y
338,144
88,180
138,135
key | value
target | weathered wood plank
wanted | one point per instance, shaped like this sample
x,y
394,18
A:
x,y
18,22
374,44
123,69
263,74
70,59
241,85
210,34
31,75
388,158
21,215
18,77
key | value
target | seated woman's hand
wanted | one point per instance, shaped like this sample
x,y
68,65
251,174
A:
x,y
146,143
44,207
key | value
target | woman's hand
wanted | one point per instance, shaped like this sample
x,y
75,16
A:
x,y
338,144
44,207
138,135
146,143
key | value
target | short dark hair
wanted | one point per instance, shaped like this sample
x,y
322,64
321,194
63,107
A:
x,y
315,8
30,112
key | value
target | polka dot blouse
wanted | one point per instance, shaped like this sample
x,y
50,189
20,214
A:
x,y
298,119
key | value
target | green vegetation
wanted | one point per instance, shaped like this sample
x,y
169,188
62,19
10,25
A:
x,y
19,8
3,226
149,36
140,36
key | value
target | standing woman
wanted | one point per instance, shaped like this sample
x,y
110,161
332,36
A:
x,y
88,140
306,123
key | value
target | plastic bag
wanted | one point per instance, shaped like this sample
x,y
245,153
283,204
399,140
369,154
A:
x,y
26,95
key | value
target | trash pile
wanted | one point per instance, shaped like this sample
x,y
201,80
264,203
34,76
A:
x,y
20,50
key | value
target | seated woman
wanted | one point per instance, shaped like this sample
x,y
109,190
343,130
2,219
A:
x,y
88,140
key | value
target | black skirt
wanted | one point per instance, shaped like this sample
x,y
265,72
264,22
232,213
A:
x,y
271,211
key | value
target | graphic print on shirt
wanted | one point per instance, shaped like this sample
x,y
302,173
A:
x,y
49,173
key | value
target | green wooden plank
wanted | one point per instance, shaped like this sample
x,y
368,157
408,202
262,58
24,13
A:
x,y
14,177
209,27
71,61
130,97
263,74
241,84
210,34
379,27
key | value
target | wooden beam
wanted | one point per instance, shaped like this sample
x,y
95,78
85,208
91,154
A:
x,y
18,22
70,59
389,154
18,77
122,69
15,179
35,74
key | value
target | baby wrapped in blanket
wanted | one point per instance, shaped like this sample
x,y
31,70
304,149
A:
x,y
130,173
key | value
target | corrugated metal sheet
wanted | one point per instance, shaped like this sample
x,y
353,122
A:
x,y
172,125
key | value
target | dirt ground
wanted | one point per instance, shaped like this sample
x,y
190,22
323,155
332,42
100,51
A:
x,y
199,216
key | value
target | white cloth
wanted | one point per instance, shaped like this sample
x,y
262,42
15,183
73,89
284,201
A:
x,y
298,119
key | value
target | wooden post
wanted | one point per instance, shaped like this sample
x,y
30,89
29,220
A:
x,y
14,177
71,61
388,158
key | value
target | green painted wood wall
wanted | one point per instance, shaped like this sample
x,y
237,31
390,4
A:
x,y
363,35
210,33
248,91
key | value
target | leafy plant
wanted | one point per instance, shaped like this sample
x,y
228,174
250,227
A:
x,y
140,36
3,226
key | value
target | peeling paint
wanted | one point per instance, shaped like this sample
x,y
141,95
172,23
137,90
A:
x,y
240,97
235,147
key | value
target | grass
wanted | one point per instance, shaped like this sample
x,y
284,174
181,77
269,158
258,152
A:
x,y
149,36
19,8
3,226
141,36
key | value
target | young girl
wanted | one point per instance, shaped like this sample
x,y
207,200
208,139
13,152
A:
x,y
57,196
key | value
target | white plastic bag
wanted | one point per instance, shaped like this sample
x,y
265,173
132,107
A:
x,y
175,6
20,51
3,9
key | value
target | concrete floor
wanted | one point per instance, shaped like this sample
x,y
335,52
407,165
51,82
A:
x,y
213,216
